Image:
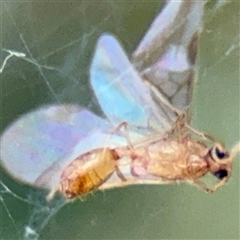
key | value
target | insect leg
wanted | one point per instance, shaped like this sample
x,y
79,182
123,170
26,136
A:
x,y
51,194
120,174
203,186
219,184
125,133
205,136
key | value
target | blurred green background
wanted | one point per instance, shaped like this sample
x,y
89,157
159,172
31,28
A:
x,y
61,37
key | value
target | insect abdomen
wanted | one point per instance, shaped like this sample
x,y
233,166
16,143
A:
x,y
87,172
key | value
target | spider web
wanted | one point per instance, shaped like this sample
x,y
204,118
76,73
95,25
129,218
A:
x,y
46,49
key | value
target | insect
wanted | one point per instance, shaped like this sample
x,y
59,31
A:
x,y
71,150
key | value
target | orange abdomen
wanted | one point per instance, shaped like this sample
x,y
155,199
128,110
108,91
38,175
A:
x,y
87,172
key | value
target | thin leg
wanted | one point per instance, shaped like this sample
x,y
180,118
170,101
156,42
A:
x,y
126,133
219,184
51,194
205,136
203,186
120,174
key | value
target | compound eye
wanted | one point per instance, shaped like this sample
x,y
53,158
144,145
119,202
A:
x,y
220,174
218,152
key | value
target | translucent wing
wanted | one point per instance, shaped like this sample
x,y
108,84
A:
x,y
36,147
120,91
166,55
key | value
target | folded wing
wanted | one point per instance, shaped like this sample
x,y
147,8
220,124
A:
x,y
166,55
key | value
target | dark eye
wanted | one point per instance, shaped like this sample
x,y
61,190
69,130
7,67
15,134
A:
x,y
220,174
220,154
